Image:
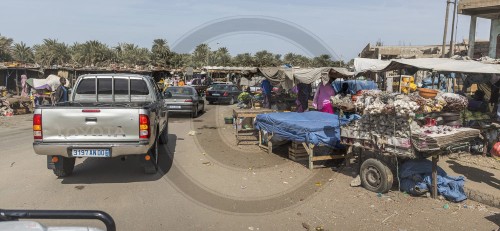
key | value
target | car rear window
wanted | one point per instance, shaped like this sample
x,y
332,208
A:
x,y
222,87
180,90
86,86
104,86
121,86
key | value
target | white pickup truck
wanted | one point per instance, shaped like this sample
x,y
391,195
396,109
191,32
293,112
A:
x,y
108,115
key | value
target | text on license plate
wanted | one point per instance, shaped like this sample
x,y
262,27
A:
x,y
216,94
174,106
91,152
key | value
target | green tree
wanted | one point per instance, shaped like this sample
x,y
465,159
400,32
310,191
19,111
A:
x,y
243,60
265,58
201,55
131,54
160,53
5,48
221,57
180,60
51,52
22,53
91,53
322,61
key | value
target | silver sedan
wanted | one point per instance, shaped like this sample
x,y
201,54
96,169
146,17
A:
x,y
184,100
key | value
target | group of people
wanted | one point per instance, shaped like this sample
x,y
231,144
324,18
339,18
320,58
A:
x,y
321,100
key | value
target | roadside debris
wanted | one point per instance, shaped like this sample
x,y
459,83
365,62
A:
x,y
306,226
5,109
192,133
356,182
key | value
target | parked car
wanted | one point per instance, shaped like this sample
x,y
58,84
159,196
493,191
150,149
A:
x,y
223,93
108,115
184,99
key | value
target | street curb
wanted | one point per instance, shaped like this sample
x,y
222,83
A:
x,y
481,197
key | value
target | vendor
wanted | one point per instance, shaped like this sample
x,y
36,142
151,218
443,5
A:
x,y
266,92
321,99
303,92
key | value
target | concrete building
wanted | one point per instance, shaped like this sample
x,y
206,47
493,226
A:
x,y
425,51
488,9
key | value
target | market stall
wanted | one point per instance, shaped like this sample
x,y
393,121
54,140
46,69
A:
x,y
396,127
310,129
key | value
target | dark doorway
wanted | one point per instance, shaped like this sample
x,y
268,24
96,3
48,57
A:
x,y
498,46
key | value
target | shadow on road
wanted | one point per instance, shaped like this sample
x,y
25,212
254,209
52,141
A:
x,y
475,174
495,218
114,170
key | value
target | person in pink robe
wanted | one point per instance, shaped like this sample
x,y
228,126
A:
x,y
322,96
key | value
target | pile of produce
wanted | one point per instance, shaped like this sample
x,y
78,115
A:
x,y
343,102
5,109
454,102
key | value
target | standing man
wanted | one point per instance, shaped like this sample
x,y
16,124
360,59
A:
x,y
61,95
303,92
266,92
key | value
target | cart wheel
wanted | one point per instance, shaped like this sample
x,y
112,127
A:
x,y
376,176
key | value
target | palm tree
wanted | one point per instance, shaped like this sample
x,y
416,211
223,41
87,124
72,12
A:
x,y
201,55
91,53
52,52
265,58
322,61
243,60
22,53
160,53
131,54
180,60
222,57
5,47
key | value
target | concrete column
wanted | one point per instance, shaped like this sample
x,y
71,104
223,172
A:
x,y
472,36
494,32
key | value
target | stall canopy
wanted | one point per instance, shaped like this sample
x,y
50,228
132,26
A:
x,y
444,65
303,75
364,65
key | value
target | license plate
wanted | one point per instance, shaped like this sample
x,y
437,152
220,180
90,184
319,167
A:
x,y
216,94
91,152
174,106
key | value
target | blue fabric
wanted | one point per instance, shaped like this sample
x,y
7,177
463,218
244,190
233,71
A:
x,y
266,87
311,127
416,179
354,85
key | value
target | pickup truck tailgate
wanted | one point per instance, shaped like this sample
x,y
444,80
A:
x,y
90,125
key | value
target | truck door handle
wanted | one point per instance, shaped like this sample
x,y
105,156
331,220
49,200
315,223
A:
x,y
91,119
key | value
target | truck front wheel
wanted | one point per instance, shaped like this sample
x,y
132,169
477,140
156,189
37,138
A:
x,y
64,167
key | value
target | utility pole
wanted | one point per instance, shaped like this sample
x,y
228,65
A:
x,y
452,39
445,28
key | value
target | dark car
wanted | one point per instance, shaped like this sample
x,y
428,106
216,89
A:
x,y
223,93
184,99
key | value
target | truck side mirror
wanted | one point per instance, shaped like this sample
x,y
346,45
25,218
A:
x,y
167,94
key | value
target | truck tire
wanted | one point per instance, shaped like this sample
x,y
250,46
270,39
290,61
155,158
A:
x,y
376,176
151,167
65,168
164,135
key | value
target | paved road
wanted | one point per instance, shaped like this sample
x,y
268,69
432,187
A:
x,y
208,183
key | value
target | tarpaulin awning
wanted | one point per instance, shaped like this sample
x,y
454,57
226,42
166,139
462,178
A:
x,y
363,65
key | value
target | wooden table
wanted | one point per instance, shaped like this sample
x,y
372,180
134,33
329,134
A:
x,y
247,113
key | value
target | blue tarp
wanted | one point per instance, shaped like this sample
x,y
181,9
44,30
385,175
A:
x,y
416,178
355,85
312,127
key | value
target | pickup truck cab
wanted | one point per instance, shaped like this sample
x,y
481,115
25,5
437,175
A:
x,y
107,116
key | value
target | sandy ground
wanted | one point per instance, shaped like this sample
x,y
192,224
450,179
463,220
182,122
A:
x,y
206,182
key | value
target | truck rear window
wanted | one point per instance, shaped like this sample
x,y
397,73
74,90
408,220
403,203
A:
x,y
86,86
137,86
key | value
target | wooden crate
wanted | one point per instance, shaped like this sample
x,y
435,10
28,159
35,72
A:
x,y
297,152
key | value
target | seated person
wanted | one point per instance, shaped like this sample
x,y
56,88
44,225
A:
x,y
477,102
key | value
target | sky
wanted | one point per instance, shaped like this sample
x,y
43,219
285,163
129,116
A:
x,y
346,27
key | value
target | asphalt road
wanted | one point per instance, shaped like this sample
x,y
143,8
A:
x,y
206,182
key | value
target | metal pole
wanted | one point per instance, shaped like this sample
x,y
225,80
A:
x,y
445,29
435,159
452,40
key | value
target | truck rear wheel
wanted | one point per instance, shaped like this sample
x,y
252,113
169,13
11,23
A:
x,y
376,176
151,166
65,167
